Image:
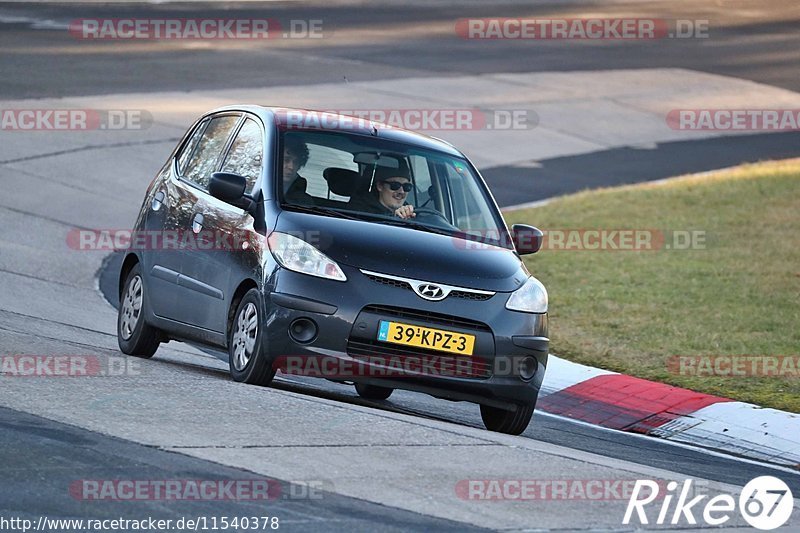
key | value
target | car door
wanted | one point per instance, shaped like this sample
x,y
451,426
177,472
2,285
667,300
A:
x,y
198,302
228,227
161,260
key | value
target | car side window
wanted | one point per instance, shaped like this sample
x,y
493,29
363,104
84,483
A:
x,y
203,161
189,147
246,153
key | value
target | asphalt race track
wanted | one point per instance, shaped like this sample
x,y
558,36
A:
x,y
337,462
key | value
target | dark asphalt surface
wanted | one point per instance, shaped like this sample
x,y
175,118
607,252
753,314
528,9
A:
x,y
384,40
751,40
620,166
42,464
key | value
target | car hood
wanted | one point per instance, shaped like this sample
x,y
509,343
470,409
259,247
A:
x,y
407,252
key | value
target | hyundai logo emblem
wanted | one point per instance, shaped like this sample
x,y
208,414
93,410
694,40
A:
x,y
430,291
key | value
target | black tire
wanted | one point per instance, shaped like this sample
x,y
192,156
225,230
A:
x,y
510,422
373,392
249,362
134,335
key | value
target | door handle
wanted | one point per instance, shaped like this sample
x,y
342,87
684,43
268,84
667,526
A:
x,y
158,201
197,223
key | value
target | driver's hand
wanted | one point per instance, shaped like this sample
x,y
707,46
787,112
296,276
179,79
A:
x,y
406,211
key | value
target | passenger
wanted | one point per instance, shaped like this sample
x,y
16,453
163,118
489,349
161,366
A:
x,y
295,156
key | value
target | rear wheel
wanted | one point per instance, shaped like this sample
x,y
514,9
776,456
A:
x,y
373,392
503,421
248,359
134,335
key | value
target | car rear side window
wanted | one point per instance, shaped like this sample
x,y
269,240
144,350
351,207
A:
x,y
246,154
203,161
320,158
189,147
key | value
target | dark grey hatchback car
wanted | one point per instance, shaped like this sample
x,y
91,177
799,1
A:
x,y
323,245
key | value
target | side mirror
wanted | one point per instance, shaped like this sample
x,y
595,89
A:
x,y
226,186
230,188
527,239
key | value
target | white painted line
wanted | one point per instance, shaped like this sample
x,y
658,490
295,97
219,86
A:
x,y
672,443
35,23
562,374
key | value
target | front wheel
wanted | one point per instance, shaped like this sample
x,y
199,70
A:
x,y
373,392
134,335
510,422
248,359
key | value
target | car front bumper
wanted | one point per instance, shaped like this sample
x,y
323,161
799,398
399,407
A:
x,y
338,321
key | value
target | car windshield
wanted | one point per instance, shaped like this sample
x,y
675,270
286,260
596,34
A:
x,y
358,176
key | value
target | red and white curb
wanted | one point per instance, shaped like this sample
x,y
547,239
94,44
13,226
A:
x,y
626,403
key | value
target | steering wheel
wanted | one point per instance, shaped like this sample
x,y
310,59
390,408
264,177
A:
x,y
434,213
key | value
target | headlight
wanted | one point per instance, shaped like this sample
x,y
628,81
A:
x,y
297,255
530,298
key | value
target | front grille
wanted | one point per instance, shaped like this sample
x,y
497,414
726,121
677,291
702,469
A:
x,y
389,281
419,360
470,296
464,294
426,316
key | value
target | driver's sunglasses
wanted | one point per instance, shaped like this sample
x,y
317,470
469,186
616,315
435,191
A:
x,y
395,185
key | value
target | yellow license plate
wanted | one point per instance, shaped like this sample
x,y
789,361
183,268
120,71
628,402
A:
x,y
421,337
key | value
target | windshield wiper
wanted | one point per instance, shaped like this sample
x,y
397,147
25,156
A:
x,y
410,222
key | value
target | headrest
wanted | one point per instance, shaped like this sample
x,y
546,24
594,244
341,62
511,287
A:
x,y
299,185
296,193
341,181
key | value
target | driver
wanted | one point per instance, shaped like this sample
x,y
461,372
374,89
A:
x,y
389,194
392,194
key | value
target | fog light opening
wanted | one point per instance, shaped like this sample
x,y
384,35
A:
x,y
527,368
303,330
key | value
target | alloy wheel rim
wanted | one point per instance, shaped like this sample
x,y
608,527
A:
x,y
131,308
244,336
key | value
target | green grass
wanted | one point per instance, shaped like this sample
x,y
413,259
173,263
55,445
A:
x,y
629,311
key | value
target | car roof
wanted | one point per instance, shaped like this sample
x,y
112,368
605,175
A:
x,y
311,119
